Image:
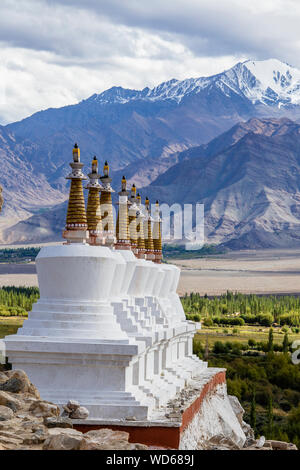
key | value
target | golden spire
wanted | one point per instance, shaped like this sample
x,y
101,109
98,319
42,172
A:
x,y
148,232
157,234
140,229
93,206
122,227
106,207
76,215
132,211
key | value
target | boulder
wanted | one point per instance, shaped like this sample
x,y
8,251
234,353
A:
x,y
13,385
222,441
279,445
35,438
106,439
3,377
268,445
63,439
9,400
107,435
19,379
44,409
58,422
6,413
9,439
80,413
73,405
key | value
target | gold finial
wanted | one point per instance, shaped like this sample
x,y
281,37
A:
x,y
138,198
106,169
95,165
133,191
76,153
124,183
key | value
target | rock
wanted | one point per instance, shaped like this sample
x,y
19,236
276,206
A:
x,y
38,437
11,425
3,377
292,447
10,439
260,442
90,444
67,431
279,445
58,422
44,409
249,442
223,441
237,408
8,434
106,439
107,434
130,418
73,405
32,424
256,448
80,413
139,447
6,399
63,439
13,385
6,413
18,381
268,445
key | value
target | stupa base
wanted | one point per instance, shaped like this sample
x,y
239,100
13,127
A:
x,y
176,426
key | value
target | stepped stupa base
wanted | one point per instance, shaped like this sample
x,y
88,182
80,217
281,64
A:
x,y
175,426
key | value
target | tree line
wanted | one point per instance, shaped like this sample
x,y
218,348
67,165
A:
x,y
238,309
17,301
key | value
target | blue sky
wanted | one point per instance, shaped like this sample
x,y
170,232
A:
x,y
57,52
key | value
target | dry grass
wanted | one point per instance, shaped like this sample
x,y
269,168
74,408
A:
x,y
270,271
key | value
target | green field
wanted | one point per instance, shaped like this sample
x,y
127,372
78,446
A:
x,y
10,325
242,334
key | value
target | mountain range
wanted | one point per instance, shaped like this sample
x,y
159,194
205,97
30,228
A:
x,y
231,141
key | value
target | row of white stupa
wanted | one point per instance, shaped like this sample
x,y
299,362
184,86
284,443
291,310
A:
x,y
109,330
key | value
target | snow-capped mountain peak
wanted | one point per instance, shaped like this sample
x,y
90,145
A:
x,y
274,76
269,82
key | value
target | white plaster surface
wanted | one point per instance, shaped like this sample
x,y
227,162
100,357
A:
x,y
215,418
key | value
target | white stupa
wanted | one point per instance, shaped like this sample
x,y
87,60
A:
x,y
109,329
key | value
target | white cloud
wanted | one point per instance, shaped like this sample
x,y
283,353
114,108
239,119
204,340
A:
x,y
57,52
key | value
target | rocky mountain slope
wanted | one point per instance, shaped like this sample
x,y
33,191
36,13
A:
x,y
142,133
247,178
